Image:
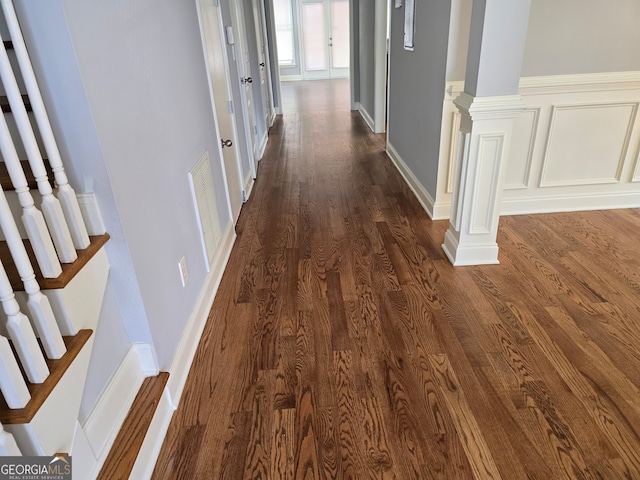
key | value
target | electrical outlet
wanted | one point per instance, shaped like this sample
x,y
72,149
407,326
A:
x,y
184,273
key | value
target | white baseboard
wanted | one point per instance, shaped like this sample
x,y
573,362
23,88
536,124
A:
x,y
99,431
106,418
248,187
193,331
182,360
262,146
290,78
147,358
366,117
421,193
570,203
84,458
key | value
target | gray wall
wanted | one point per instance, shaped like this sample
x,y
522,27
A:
x,y
366,56
133,112
582,36
568,37
416,89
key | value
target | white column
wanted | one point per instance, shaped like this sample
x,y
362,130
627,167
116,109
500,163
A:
x,y
488,107
483,144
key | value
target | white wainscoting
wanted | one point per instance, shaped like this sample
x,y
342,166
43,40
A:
x,y
576,146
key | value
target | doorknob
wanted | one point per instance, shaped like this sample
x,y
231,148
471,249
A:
x,y
244,80
262,64
249,80
226,143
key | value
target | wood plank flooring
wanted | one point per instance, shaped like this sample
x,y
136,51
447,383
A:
x,y
343,345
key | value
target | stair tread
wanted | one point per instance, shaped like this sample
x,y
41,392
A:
x,y
6,106
69,270
41,391
122,456
5,179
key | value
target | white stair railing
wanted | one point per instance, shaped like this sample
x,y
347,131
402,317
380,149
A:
x,y
39,306
51,207
13,387
21,334
32,218
8,446
66,195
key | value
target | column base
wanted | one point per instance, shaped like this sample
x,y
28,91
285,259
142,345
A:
x,y
469,255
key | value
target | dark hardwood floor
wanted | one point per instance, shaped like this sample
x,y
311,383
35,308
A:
x,y
343,345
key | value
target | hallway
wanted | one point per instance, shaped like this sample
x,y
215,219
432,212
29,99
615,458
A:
x,y
343,345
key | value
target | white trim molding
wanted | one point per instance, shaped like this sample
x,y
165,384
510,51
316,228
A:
x,y
575,147
105,420
188,345
366,117
483,144
416,187
262,145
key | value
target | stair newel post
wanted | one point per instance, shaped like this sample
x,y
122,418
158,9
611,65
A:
x,y
39,306
66,195
32,218
51,207
13,387
21,333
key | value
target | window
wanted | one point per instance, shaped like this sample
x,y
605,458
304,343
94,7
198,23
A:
x,y
284,32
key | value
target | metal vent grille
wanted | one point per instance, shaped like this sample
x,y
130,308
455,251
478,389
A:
x,y
204,200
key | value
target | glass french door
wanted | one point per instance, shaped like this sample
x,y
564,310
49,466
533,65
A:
x,y
325,38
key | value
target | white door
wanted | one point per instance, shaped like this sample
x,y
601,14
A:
x,y
219,83
244,72
263,56
325,38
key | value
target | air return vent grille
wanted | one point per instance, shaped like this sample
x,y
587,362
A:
x,y
206,209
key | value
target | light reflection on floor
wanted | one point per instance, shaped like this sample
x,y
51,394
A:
x,y
315,95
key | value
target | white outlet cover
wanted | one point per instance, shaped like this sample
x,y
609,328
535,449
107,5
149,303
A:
x,y
184,273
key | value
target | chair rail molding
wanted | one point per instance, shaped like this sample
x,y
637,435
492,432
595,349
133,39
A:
x,y
576,146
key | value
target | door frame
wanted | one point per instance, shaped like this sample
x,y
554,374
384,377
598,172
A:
x,y
261,32
328,23
218,136
239,48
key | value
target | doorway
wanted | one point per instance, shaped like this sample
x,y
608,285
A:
x,y
312,38
325,38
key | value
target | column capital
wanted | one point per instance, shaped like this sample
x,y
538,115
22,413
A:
x,y
489,108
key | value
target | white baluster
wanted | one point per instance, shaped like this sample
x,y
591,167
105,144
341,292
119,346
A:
x,y
50,205
66,195
8,446
14,389
31,217
21,333
39,306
